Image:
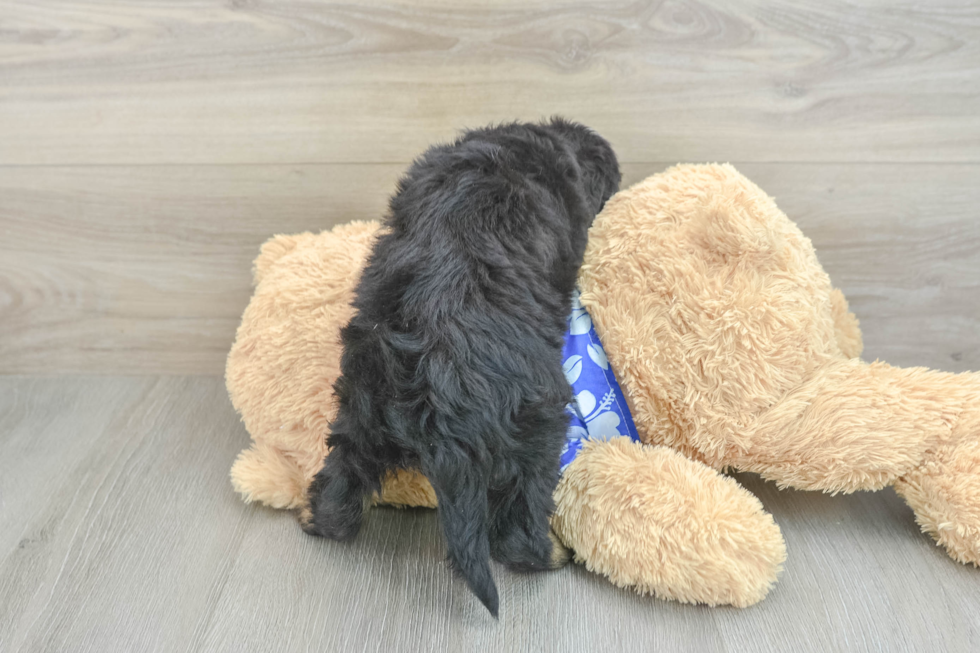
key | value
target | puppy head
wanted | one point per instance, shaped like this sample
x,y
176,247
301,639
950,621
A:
x,y
600,169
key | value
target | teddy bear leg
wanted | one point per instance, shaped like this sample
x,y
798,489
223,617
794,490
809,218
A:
x,y
652,520
264,474
859,426
945,495
944,491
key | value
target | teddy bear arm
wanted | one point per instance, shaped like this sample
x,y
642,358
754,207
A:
x,y
850,426
650,519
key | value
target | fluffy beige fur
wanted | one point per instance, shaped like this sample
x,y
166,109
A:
x,y
286,356
734,351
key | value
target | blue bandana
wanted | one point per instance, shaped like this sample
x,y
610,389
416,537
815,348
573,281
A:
x,y
599,410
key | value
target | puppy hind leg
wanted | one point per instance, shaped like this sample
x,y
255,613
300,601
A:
x,y
521,536
337,496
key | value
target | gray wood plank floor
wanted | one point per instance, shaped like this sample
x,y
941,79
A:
x,y
121,533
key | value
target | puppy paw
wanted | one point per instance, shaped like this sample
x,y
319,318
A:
x,y
305,518
560,554
522,553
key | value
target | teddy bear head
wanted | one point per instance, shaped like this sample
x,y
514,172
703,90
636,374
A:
x,y
711,305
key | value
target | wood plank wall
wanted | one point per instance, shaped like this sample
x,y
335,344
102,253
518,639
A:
x,y
147,149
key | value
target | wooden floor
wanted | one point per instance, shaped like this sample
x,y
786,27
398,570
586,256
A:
x,y
121,533
148,148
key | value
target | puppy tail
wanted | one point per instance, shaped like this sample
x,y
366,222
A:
x,y
461,490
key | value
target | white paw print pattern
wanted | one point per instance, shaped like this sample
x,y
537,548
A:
x,y
587,370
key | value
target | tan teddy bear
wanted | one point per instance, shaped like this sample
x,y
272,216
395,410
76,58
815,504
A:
x,y
732,349
735,350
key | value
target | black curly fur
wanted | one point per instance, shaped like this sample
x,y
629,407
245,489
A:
x,y
452,361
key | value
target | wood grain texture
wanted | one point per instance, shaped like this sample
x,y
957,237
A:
x,y
146,269
147,150
95,81
130,208
121,532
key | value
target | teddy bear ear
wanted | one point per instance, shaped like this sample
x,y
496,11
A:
x,y
273,250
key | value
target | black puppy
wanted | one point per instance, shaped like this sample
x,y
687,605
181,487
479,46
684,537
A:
x,y
452,361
